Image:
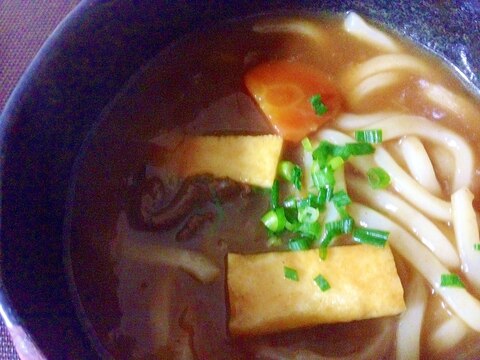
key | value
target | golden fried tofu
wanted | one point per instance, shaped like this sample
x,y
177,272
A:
x,y
363,284
248,159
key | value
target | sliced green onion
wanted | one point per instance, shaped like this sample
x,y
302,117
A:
x,y
318,106
357,149
322,252
307,145
274,241
299,244
311,230
336,228
290,202
378,178
476,246
373,136
275,220
291,172
451,280
308,214
336,162
322,176
275,194
370,236
341,198
323,151
290,273
343,226
322,283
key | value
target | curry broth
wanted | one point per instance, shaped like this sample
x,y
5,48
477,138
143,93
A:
x,y
196,87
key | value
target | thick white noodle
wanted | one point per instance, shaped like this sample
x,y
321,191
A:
x,y
410,324
443,162
293,26
449,101
399,125
397,209
384,63
419,163
459,300
192,262
372,84
410,190
365,32
349,121
448,334
466,233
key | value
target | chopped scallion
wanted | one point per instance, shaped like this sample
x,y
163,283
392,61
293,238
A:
x,y
307,145
299,244
370,236
275,194
322,176
476,246
378,178
322,283
336,228
357,149
341,198
311,230
274,220
451,280
290,273
318,106
274,241
373,136
291,172
336,162
308,214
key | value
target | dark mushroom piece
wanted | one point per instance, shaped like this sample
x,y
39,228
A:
x,y
194,192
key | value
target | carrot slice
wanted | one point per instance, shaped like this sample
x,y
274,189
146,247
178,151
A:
x,y
283,91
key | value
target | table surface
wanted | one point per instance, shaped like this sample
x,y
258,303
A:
x,y
24,27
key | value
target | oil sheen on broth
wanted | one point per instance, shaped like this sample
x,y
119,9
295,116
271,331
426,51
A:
x,y
144,305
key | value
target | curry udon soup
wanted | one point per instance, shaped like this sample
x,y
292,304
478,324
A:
x,y
282,187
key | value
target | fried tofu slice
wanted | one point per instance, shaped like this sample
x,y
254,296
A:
x,y
248,159
363,282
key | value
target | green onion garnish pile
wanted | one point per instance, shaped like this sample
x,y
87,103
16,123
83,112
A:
x,y
296,221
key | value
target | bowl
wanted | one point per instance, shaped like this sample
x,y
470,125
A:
x,y
58,101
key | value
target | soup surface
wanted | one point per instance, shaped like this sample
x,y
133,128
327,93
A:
x,y
146,306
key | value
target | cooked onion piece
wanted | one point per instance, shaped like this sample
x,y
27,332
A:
x,y
371,85
419,164
466,233
407,187
448,334
365,32
424,229
458,299
293,26
385,63
410,324
400,125
192,262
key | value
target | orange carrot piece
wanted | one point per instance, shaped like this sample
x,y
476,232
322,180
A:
x,y
283,91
